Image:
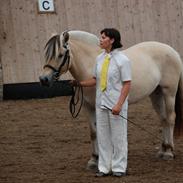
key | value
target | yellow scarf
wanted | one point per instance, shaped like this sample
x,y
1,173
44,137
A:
x,y
103,75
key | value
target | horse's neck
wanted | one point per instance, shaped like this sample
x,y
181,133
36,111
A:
x,y
83,57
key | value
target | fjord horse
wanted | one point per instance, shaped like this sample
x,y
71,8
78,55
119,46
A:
x,y
157,72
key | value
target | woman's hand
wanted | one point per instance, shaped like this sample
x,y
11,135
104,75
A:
x,y
116,109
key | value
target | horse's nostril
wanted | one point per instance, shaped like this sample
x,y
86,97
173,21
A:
x,y
46,80
43,80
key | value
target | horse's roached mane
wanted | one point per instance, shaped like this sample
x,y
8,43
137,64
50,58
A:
x,y
50,47
53,44
84,36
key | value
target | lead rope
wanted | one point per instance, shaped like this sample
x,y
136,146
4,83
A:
x,y
135,124
77,91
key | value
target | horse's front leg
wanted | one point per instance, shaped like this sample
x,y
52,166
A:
x,y
93,162
167,148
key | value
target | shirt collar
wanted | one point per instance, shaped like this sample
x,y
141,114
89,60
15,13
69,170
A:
x,y
112,52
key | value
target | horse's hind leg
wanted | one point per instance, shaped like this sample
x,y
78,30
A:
x,y
168,123
164,106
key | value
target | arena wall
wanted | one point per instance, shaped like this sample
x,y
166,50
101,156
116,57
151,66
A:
x,y
24,30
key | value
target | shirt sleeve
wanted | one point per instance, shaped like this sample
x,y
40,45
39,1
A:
x,y
126,74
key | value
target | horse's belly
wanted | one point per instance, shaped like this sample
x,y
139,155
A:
x,y
143,88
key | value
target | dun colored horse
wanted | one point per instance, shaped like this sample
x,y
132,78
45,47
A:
x,y
157,72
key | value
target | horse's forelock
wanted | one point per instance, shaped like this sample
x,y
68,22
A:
x,y
52,47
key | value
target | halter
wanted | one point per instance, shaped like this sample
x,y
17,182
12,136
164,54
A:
x,y
65,60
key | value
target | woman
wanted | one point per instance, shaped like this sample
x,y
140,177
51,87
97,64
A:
x,y
112,77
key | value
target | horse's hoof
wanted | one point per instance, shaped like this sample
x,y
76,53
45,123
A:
x,y
159,155
92,168
92,165
168,156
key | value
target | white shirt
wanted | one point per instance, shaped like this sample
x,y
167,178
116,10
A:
x,y
119,71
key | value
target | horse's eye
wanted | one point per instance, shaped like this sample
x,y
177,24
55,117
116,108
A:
x,y
60,55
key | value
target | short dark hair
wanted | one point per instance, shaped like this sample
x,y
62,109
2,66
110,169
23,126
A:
x,y
113,34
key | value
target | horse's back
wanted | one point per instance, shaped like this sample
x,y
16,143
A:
x,y
152,65
155,56
156,50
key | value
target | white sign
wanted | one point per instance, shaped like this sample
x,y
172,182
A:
x,y
46,6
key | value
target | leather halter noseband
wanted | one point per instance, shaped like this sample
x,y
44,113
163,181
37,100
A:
x,y
65,60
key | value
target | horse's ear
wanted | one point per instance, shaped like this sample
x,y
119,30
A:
x,y
65,37
54,34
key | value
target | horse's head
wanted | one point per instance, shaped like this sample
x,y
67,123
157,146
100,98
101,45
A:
x,y
57,57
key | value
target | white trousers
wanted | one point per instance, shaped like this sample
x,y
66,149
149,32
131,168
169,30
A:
x,y
112,141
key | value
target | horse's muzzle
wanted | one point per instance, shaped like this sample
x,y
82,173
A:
x,y
44,80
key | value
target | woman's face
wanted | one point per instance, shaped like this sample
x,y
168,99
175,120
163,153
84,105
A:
x,y
106,42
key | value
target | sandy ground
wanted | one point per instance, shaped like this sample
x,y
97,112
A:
x,y
41,143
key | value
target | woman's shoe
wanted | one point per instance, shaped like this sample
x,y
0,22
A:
x,y
119,174
101,174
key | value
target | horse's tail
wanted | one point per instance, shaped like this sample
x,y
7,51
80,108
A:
x,y
179,108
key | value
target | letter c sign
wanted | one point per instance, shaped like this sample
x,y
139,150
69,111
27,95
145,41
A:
x,y
46,6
